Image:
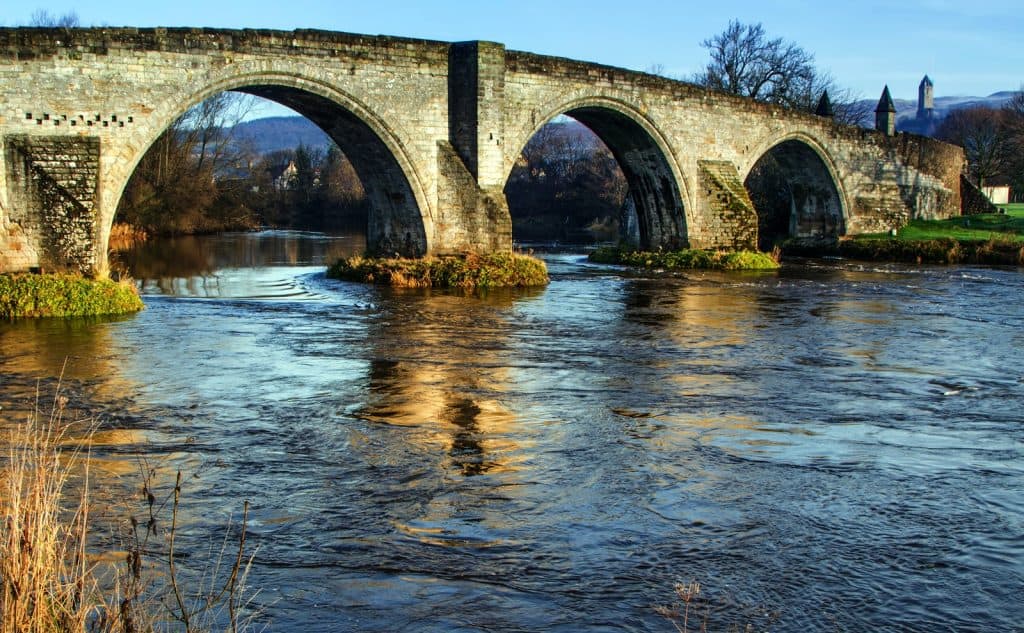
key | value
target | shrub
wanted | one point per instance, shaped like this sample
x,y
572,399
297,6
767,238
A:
x,y
468,271
687,259
65,295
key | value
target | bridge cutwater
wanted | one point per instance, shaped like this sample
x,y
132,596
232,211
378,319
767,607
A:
x,y
433,130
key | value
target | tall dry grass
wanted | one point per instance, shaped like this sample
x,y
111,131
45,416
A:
x,y
46,582
50,581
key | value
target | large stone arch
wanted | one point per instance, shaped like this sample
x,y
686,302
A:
x,y
796,191
400,217
657,187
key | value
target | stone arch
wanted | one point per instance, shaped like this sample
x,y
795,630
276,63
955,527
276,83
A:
x,y
400,219
656,184
796,191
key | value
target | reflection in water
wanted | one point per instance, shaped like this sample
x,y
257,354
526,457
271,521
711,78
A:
x,y
838,444
221,265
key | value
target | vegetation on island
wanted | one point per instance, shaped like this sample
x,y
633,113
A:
x,y
65,295
467,271
686,259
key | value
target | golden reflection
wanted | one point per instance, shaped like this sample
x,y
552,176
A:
x,y
694,315
39,357
440,368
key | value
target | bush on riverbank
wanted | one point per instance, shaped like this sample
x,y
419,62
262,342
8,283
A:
x,y
468,271
64,295
686,259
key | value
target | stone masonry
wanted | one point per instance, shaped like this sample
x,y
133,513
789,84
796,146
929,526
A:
x,y
433,130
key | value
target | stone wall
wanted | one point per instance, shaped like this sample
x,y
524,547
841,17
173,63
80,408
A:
x,y
54,209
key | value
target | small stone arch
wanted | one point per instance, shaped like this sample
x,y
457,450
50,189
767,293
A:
x,y
400,216
657,187
794,186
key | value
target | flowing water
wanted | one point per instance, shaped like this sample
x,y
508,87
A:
x,y
832,447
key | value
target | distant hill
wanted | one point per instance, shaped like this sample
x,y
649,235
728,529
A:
x,y
281,133
906,109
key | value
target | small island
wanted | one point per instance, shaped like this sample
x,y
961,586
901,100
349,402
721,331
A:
x,y
469,271
686,259
65,295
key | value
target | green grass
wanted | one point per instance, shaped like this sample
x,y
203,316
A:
x,y
976,228
1015,209
989,238
468,271
63,295
686,259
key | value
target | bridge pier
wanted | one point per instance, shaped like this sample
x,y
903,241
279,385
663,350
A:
x,y
472,209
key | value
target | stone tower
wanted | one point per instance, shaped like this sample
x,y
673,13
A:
x,y
885,114
925,99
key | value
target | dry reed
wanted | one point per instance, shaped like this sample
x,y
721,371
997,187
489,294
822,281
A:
x,y
48,583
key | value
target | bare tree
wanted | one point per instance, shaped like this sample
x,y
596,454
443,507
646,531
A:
x,y
981,131
187,181
1013,122
746,62
42,17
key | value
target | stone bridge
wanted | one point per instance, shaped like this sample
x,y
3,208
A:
x,y
434,130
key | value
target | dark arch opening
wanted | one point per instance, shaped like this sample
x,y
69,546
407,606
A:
x,y
650,214
393,222
795,196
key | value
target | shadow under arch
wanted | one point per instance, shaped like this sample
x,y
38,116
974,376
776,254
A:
x,y
796,193
399,214
654,199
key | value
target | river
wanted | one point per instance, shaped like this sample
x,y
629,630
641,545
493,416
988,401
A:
x,y
831,447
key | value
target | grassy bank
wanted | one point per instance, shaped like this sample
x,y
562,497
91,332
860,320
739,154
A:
x,y
468,271
63,295
989,239
686,259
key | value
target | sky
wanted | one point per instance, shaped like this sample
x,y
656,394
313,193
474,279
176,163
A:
x,y
971,47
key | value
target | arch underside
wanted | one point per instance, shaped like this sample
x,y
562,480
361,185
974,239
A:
x,y
653,193
794,195
395,224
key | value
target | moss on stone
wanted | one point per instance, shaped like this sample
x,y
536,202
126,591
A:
x,y
468,271
64,295
687,259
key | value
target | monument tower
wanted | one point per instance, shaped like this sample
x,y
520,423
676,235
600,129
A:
x,y
925,99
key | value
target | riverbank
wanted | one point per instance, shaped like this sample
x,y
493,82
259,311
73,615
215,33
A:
x,y
65,295
468,271
987,239
686,259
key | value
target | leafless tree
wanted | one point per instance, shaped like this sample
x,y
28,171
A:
x,y
1013,122
746,62
185,182
981,131
42,17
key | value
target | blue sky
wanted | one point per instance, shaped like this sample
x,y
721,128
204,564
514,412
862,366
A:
x,y
968,48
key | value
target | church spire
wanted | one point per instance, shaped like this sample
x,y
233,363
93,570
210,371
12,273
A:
x,y
825,106
885,114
